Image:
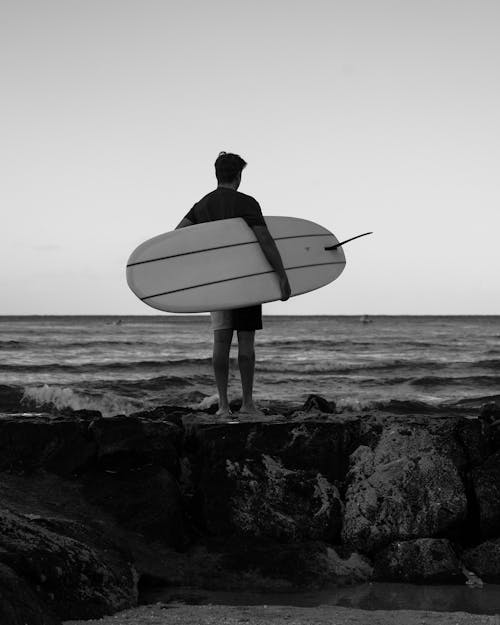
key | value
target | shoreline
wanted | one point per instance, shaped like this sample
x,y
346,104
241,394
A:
x,y
180,614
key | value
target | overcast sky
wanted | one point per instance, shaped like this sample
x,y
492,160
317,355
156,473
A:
x,y
357,114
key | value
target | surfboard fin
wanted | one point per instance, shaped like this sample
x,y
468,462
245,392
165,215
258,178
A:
x,y
334,247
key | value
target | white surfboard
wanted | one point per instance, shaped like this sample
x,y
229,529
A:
x,y
220,265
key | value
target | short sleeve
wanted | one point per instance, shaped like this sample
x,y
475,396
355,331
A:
x,y
191,215
253,214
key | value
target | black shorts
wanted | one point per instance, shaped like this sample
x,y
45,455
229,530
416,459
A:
x,y
248,318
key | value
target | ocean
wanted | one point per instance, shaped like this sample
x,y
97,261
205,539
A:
x,y
119,365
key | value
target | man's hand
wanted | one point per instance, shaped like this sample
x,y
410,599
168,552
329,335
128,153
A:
x,y
286,291
273,256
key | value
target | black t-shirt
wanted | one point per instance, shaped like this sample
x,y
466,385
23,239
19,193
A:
x,y
224,203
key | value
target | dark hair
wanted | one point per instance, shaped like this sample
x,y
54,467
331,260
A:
x,y
228,166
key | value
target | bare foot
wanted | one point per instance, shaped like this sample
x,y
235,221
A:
x,y
224,413
250,411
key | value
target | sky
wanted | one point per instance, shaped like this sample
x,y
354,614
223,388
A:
x,y
360,115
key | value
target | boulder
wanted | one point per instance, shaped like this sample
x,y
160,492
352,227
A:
x,y
268,565
260,504
490,413
484,560
316,402
10,398
125,443
145,500
315,445
486,484
269,501
406,485
74,571
19,603
59,444
169,413
424,560
283,475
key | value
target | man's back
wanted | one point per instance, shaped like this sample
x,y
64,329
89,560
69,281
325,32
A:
x,y
226,203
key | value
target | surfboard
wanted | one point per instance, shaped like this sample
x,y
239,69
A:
x,y
220,265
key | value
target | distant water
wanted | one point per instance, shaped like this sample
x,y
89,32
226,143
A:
x,y
124,364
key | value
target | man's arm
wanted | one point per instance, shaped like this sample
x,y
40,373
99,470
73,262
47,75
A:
x,y
184,223
272,254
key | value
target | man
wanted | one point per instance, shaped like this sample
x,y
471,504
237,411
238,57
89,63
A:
x,y
226,203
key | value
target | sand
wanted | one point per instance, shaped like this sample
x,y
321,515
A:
x,y
181,614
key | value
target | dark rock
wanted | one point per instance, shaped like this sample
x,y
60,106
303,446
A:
x,y
74,579
489,417
246,505
58,444
320,446
424,560
270,565
129,442
173,414
145,500
266,500
19,604
486,482
489,413
83,414
475,441
484,560
407,486
273,459
10,398
316,402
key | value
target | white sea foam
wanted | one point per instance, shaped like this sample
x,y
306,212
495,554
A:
x,y
205,403
64,397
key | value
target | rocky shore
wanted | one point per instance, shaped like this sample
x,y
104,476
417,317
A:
x,y
97,511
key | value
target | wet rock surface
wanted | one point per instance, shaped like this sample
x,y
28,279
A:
x,y
275,479
484,560
72,572
295,500
486,483
19,603
407,482
424,560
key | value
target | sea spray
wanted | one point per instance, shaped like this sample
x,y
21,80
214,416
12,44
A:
x,y
63,397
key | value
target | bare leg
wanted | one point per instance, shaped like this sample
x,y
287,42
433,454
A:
x,y
220,360
246,363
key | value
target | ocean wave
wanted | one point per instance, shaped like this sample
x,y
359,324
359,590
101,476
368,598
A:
x,y
102,343
119,342
137,387
64,397
95,367
343,343
405,406
487,363
13,344
394,406
307,368
301,343
472,380
473,402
